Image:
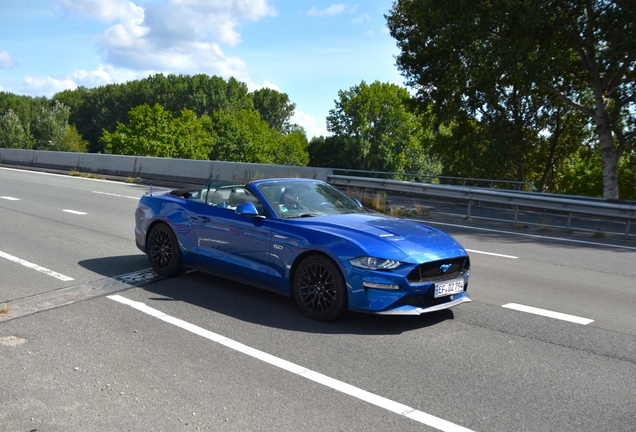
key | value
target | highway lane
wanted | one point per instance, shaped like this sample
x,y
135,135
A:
x,y
103,365
68,225
479,366
582,278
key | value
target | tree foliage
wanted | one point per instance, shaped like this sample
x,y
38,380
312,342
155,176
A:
x,y
37,123
49,127
153,131
510,71
240,136
12,134
373,129
275,108
244,136
102,108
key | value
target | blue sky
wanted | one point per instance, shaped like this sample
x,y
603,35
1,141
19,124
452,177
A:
x,y
309,50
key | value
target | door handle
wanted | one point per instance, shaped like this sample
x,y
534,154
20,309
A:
x,y
200,218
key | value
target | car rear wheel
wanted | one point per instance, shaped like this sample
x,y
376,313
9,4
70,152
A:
x,y
319,289
163,251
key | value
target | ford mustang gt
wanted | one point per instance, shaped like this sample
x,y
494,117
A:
x,y
305,239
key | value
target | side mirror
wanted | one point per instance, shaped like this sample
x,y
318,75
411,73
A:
x,y
248,209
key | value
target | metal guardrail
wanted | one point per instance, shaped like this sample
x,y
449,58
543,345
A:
x,y
430,178
564,204
182,170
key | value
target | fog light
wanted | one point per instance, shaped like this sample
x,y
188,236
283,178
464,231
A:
x,y
380,286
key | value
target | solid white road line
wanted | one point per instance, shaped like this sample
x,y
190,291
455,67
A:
x,y
117,195
8,198
491,253
547,313
341,386
75,212
35,267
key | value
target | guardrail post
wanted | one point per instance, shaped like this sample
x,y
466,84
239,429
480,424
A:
x,y
627,226
470,203
567,228
516,214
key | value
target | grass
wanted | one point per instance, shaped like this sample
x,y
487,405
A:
x,y
598,234
407,212
248,176
375,200
546,224
4,309
76,173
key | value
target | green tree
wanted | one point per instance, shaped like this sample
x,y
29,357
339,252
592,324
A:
x,y
12,134
155,132
50,126
374,129
243,137
104,107
274,107
72,141
473,56
27,108
292,149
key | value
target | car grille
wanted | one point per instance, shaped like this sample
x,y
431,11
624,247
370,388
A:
x,y
434,271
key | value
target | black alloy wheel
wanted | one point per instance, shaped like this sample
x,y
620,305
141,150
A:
x,y
163,251
319,289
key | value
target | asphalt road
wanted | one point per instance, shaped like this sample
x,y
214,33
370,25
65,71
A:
x,y
202,353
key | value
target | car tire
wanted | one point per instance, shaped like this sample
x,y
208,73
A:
x,y
319,289
163,251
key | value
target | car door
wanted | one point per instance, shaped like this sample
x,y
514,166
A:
x,y
234,244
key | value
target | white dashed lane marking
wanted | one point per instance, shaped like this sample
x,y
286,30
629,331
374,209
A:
x,y
75,212
379,401
492,254
35,267
8,198
548,313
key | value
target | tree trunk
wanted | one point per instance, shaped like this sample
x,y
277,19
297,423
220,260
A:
x,y
609,155
609,164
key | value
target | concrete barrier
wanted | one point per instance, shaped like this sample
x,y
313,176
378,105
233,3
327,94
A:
x,y
152,168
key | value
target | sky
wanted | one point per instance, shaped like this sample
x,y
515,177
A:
x,y
307,49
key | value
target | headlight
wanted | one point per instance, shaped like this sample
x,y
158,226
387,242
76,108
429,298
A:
x,y
372,263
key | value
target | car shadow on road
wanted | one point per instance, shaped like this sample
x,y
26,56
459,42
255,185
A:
x,y
116,265
266,308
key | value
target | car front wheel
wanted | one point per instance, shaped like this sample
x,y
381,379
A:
x,y
163,251
319,289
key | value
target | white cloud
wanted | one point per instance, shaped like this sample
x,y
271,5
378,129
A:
x,y
266,84
48,86
364,18
330,11
173,36
106,11
309,124
6,62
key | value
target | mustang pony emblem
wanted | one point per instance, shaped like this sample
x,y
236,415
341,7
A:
x,y
444,267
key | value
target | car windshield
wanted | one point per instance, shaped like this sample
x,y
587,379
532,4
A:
x,y
304,199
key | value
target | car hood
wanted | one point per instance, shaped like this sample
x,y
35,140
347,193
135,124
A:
x,y
388,237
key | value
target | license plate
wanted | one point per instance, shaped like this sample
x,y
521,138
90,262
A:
x,y
449,288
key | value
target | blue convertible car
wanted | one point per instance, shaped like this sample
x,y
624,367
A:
x,y
305,239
